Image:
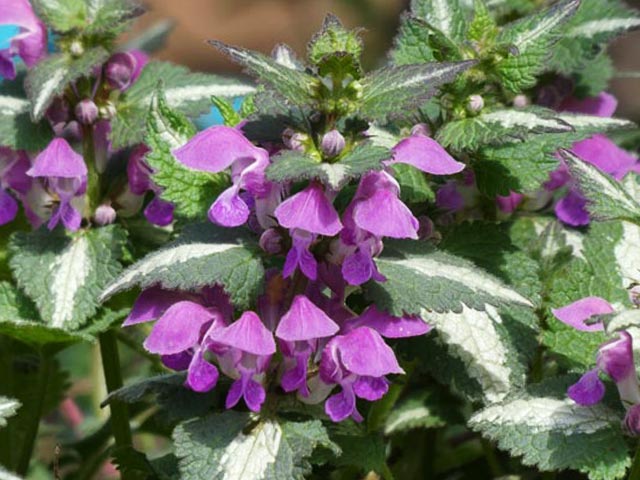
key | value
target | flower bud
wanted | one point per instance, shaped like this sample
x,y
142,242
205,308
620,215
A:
x,y
271,241
58,112
520,101
615,358
86,112
332,143
632,421
634,295
475,103
76,49
421,129
104,215
293,140
427,228
120,70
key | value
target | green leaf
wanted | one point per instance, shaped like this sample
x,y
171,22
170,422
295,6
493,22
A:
x,y
334,38
483,28
295,86
188,93
555,434
229,115
608,198
414,187
110,17
412,44
531,38
50,77
445,15
293,165
191,191
203,255
230,445
17,130
422,280
8,408
62,15
365,451
394,91
420,409
64,273
498,127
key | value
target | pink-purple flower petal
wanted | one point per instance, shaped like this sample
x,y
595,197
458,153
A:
x,y
577,313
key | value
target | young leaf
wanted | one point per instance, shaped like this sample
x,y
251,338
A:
x,y
531,38
203,255
608,198
8,408
334,38
295,86
188,93
391,91
49,78
192,192
229,445
63,274
421,280
412,45
498,127
445,15
110,17
292,165
62,15
554,434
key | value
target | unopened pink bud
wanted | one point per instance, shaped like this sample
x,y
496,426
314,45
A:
x,y
271,241
520,101
421,129
120,70
475,103
104,215
332,143
86,112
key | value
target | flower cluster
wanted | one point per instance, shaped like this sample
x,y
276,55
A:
x,y
322,344
614,359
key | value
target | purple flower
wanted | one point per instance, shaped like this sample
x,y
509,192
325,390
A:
x,y
124,68
158,211
387,325
575,314
299,330
300,256
572,208
250,345
309,210
615,358
218,148
13,176
30,44
589,390
509,203
449,198
358,363
632,421
425,154
66,175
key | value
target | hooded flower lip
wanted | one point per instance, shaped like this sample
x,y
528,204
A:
x,y
378,209
615,358
13,167
248,334
601,152
309,210
124,68
572,209
425,154
66,175
151,304
363,352
178,329
218,148
30,43
58,160
575,314
602,105
305,321
389,326
589,390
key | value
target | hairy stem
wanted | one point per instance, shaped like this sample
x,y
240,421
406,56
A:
x,y
491,458
113,377
93,177
31,431
634,473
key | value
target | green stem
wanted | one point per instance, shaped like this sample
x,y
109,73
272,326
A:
x,y
113,377
492,459
634,474
93,177
31,433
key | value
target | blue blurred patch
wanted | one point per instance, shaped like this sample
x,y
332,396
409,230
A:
x,y
214,117
6,33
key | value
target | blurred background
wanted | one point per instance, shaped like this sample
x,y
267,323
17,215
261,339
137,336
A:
x,y
261,24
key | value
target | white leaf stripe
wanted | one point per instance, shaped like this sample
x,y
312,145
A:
x,y
249,456
442,16
470,277
590,121
608,25
515,118
69,274
547,23
178,96
472,337
12,105
406,417
8,408
627,253
164,260
544,414
5,475
46,91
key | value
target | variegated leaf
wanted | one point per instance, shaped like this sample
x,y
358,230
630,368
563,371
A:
x,y
8,408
